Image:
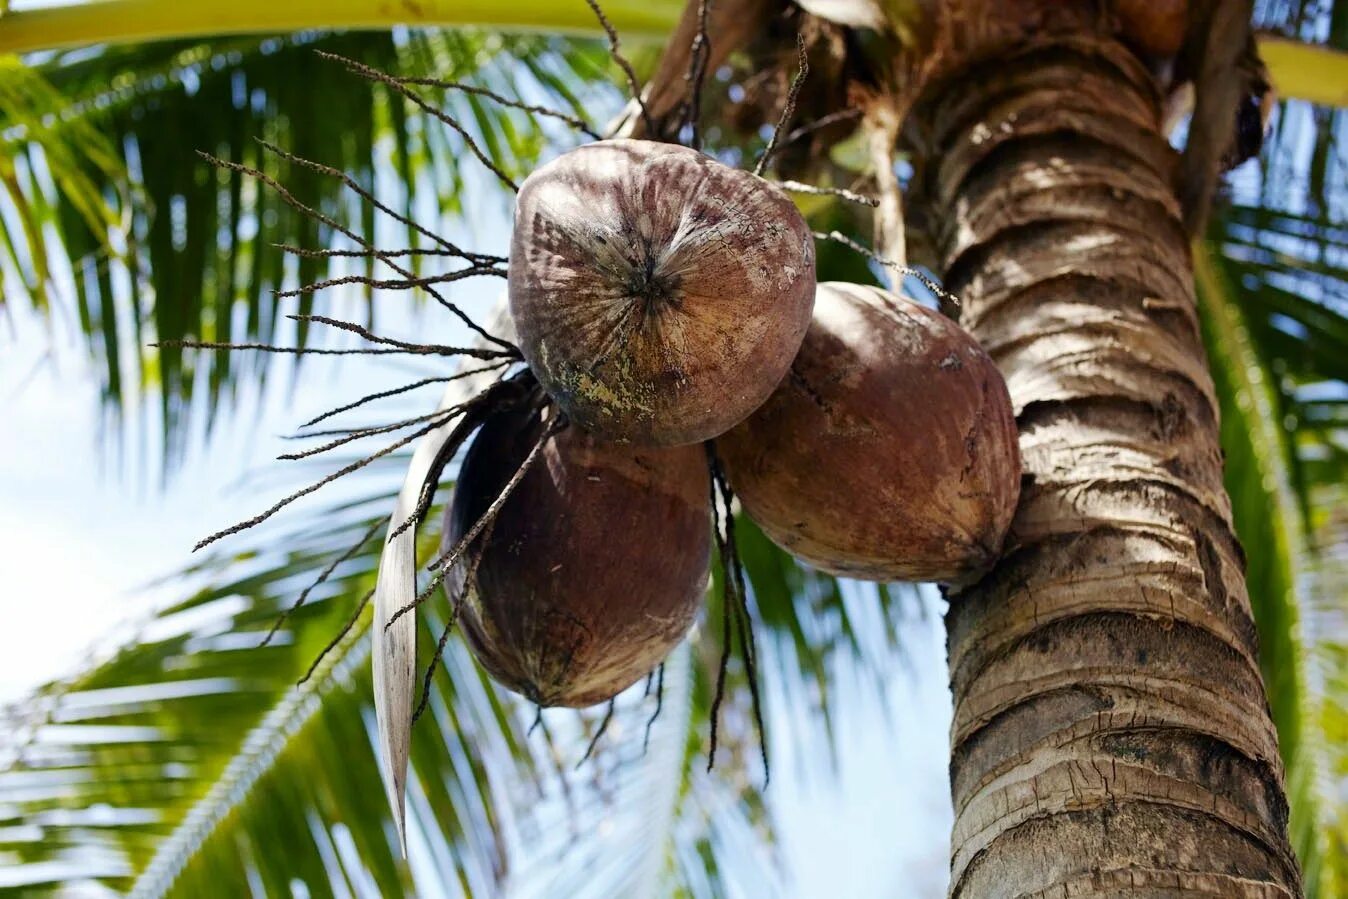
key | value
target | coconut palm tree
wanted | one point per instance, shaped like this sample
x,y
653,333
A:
x,y
1141,707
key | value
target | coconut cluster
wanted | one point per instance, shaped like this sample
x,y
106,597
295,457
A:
x,y
667,307
667,349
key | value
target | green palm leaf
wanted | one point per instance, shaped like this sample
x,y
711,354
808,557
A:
x,y
187,763
1273,288
164,247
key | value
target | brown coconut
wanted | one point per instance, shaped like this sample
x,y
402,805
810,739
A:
x,y
890,450
659,295
594,567
1156,27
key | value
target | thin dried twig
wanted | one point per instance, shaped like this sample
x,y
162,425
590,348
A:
x,y
332,644
574,121
633,84
821,122
424,349
273,348
327,572
350,436
429,678
474,413
455,609
727,587
734,605
697,74
743,623
560,770
382,394
950,302
386,254
594,741
659,702
797,187
322,217
391,283
374,74
305,491
789,109
365,194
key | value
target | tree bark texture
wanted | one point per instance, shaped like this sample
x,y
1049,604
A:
x,y
1111,733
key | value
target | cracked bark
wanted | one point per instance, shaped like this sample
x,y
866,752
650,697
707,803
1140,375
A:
x,y
1111,733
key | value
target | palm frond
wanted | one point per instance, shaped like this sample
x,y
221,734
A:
x,y
106,202
186,763
122,21
1273,286
1269,515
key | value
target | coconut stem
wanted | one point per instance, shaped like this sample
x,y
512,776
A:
x,y
449,557
950,303
361,191
475,411
382,394
797,187
361,433
727,588
305,491
594,741
327,572
743,623
659,703
697,74
455,607
573,121
734,605
332,644
632,83
291,200
789,110
558,767
429,677
427,349
391,283
373,74
841,115
329,253
274,348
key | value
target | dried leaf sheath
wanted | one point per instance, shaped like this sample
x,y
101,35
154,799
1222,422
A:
x,y
395,645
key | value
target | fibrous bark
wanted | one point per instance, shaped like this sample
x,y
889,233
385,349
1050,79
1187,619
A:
x,y
1111,732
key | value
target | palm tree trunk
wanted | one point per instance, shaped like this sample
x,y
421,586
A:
x,y
1111,732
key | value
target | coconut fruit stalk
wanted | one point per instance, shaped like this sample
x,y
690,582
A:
x,y
889,452
593,568
659,295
